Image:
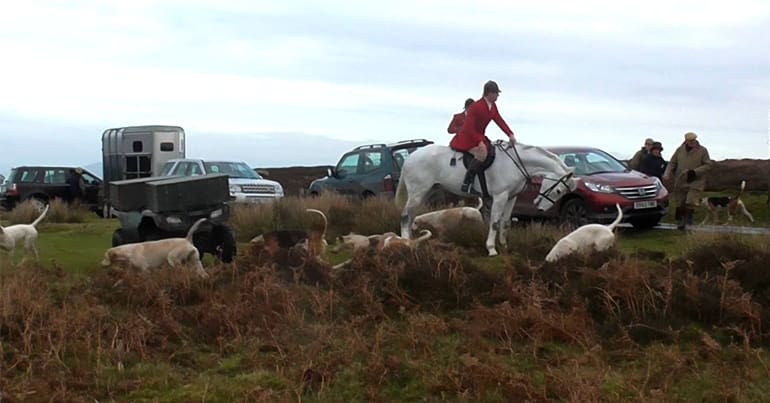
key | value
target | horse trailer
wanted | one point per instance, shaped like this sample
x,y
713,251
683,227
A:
x,y
138,152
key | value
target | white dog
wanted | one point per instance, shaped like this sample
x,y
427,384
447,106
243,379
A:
x,y
591,236
14,235
153,254
356,241
395,240
443,220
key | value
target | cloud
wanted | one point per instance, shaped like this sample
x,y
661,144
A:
x,y
602,72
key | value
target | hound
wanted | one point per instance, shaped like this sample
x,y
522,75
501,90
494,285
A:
x,y
590,236
312,240
444,220
153,254
395,240
733,205
357,242
14,235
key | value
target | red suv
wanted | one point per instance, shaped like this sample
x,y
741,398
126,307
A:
x,y
603,181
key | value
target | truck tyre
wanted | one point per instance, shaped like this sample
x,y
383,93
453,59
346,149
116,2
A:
x,y
118,238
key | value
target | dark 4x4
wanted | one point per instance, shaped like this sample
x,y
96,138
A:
x,y
44,183
368,170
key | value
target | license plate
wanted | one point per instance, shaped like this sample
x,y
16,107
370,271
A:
x,y
645,204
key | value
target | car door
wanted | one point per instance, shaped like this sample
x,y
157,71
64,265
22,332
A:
x,y
55,183
370,175
93,185
344,175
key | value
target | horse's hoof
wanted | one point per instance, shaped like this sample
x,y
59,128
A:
x,y
492,253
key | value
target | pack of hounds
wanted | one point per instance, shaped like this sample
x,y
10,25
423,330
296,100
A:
x,y
181,252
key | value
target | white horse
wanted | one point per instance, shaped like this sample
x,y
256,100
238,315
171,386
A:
x,y
506,178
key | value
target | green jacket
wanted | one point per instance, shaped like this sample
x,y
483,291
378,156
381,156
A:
x,y
682,161
636,160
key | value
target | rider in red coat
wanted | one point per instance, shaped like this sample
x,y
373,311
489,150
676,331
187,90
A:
x,y
458,118
472,137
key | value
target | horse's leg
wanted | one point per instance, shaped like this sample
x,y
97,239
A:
x,y
506,221
498,205
407,215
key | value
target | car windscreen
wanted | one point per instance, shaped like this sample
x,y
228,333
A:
x,y
591,162
231,169
167,167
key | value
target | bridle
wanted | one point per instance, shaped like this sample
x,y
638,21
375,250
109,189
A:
x,y
519,163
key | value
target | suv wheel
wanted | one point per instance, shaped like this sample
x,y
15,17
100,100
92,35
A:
x,y
39,203
367,194
574,212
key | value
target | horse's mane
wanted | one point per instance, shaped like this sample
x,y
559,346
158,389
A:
x,y
545,152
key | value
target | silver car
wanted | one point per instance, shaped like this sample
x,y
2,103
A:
x,y
246,186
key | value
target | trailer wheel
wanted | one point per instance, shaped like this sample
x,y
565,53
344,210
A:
x,y
118,238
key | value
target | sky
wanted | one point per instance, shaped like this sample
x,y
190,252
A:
x,y
298,83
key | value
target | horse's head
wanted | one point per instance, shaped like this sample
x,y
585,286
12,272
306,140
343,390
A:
x,y
553,188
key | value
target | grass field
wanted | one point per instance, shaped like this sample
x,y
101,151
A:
x,y
665,316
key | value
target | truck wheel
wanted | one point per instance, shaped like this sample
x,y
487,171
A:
x,y
118,238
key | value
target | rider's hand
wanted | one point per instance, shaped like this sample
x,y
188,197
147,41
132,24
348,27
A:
x,y
512,138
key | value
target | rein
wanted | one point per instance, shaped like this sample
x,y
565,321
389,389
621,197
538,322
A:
x,y
523,169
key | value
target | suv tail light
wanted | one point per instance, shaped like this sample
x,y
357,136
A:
x,y
12,190
387,184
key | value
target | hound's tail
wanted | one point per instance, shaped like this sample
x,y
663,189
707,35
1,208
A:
x,y
401,193
42,215
743,186
481,204
426,234
618,219
194,228
326,223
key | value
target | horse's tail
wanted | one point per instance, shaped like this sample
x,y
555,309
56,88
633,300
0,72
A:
x,y
401,193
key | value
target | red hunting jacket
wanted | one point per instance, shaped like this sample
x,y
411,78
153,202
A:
x,y
472,132
457,123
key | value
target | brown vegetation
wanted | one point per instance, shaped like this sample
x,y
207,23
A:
x,y
396,325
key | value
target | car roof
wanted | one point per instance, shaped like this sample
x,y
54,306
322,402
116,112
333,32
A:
x,y
571,149
403,143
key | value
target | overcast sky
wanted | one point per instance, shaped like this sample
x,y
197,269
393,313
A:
x,y
333,73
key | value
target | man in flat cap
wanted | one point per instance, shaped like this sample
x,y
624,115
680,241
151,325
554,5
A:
x,y
636,160
687,168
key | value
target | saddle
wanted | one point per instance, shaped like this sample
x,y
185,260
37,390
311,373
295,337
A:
x,y
468,157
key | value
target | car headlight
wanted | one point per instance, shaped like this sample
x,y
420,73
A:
x,y
216,213
658,183
595,187
279,190
235,189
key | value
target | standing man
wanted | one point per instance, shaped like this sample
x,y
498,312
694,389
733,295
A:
x,y
688,167
77,186
653,164
459,118
636,160
472,138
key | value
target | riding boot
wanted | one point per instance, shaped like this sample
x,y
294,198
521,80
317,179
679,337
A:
x,y
473,169
680,217
689,216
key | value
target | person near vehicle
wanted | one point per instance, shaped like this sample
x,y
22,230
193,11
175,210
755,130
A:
x,y
77,186
687,168
472,138
653,163
459,118
636,160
